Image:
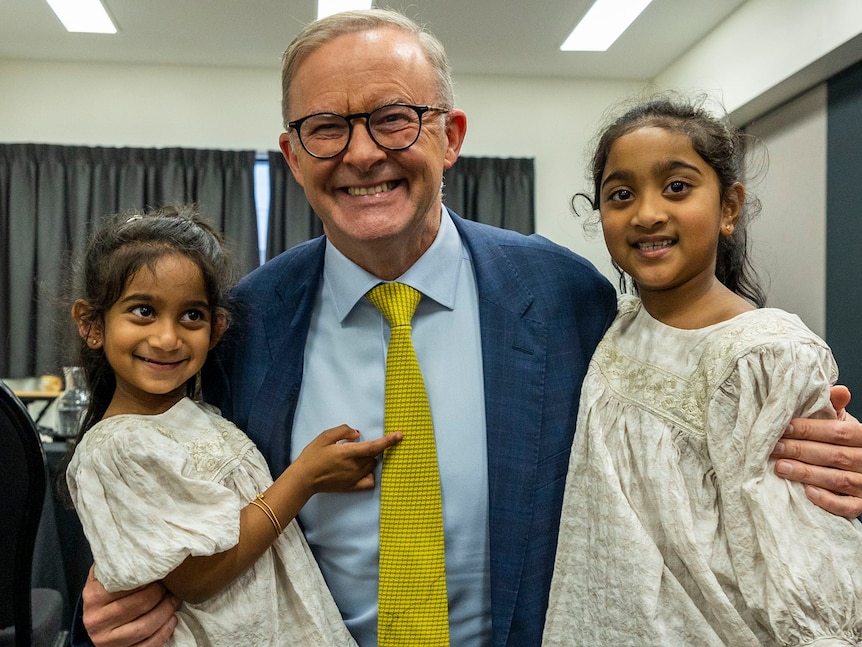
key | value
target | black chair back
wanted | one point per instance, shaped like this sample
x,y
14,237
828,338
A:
x,y
23,480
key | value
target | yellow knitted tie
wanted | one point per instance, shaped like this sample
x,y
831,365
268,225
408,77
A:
x,y
413,609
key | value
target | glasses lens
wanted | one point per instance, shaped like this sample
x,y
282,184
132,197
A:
x,y
324,135
394,126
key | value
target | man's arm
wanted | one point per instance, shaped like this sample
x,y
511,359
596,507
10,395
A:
x,y
826,455
143,617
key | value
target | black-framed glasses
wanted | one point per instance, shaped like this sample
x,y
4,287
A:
x,y
393,127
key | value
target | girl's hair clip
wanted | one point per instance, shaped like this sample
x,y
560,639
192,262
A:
x,y
133,218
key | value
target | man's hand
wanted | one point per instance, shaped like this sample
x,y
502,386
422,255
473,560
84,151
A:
x,y
826,455
143,617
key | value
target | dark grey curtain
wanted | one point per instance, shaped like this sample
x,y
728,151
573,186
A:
x,y
50,199
494,191
291,219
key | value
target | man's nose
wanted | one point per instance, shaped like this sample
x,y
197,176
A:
x,y
362,151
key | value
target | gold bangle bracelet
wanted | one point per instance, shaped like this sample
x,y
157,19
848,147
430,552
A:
x,y
271,520
271,511
263,506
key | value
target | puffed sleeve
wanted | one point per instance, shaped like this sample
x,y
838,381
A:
x,y
142,505
799,568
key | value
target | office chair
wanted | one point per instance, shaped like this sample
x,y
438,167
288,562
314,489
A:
x,y
28,617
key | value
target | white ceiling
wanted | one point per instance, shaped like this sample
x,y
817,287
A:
x,y
481,36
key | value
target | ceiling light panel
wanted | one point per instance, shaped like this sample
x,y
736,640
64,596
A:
x,y
83,16
603,24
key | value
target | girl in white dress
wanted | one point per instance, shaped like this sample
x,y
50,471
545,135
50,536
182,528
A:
x,y
675,530
166,489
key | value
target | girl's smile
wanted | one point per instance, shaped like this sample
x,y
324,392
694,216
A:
x,y
653,247
156,365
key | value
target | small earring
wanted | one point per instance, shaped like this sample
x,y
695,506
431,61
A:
x,y
92,341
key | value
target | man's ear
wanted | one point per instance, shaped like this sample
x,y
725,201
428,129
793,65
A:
x,y
89,329
456,130
218,328
286,146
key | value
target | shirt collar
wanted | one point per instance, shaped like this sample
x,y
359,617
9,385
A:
x,y
435,274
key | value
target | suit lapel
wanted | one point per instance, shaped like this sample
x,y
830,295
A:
x,y
514,350
286,325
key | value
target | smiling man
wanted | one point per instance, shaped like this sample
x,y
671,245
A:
x,y
503,332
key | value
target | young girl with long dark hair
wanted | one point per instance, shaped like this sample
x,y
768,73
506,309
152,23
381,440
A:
x,y
167,489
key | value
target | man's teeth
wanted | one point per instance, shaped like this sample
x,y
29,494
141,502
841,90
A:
x,y
371,190
654,245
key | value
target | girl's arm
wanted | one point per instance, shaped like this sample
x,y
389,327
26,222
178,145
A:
x,y
798,567
325,465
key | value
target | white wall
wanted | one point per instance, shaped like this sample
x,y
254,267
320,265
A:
x,y
554,122
769,51
790,234
139,105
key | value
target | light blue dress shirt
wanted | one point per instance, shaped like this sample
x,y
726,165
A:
x,y
343,382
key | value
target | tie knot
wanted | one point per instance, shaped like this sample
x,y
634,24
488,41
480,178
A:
x,y
396,301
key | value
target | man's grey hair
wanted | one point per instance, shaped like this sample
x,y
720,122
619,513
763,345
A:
x,y
327,29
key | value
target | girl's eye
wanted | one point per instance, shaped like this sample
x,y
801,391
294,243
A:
x,y
677,186
620,195
194,315
142,311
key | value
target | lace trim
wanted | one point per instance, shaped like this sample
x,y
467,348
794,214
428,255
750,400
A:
x,y
218,451
680,399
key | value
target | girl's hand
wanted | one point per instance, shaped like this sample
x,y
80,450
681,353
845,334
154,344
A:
x,y
336,461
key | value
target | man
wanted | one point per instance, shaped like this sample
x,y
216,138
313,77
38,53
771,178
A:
x,y
503,333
